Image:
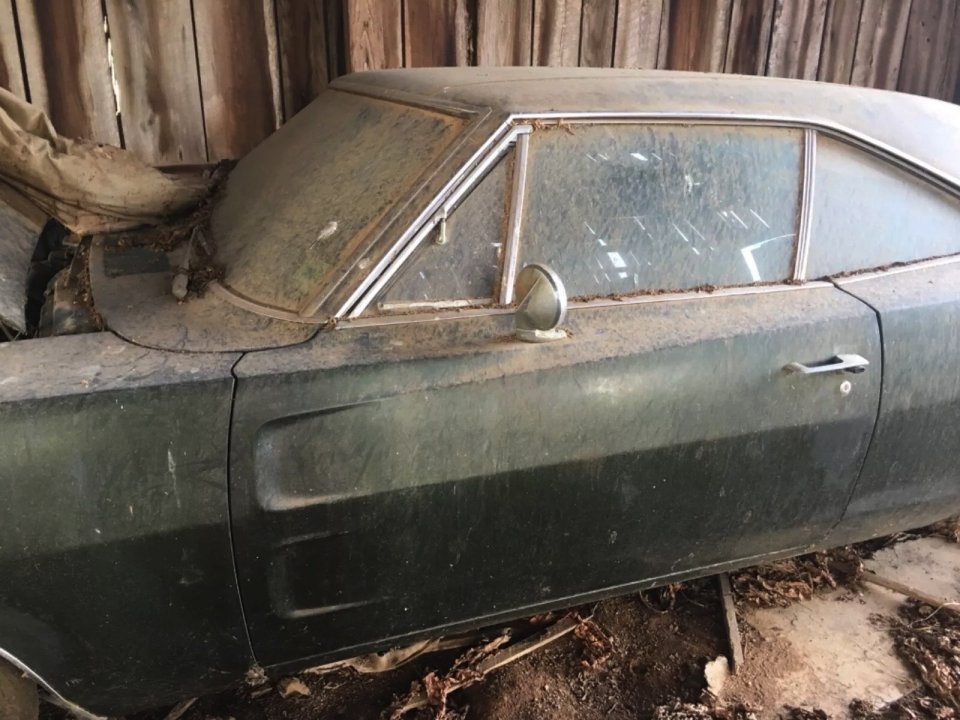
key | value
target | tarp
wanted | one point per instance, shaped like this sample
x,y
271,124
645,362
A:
x,y
90,188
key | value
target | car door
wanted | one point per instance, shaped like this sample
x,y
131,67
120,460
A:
x,y
420,469
876,227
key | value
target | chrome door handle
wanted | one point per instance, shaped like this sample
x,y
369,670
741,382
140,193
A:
x,y
838,363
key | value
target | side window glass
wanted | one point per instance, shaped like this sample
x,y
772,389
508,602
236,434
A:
x,y
460,259
868,214
630,208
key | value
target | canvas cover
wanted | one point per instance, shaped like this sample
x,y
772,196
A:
x,y
90,188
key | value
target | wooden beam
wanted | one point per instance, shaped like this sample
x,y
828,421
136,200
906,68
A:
x,y
437,33
842,25
155,64
797,37
504,32
239,75
751,23
68,67
11,70
556,32
596,32
879,49
302,36
734,640
698,34
374,34
637,39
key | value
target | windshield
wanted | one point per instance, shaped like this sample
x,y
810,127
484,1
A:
x,y
304,198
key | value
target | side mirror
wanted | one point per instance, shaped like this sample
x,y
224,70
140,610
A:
x,y
542,304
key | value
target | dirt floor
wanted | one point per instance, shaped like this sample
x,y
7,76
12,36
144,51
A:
x,y
819,643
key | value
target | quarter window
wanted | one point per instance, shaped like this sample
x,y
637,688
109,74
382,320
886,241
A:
x,y
630,208
460,259
869,214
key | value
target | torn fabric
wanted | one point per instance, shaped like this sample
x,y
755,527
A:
x,y
90,188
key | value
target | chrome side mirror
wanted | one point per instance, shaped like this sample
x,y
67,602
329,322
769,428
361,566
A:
x,y
542,304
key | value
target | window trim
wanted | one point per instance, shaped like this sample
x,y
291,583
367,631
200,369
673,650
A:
x,y
441,210
518,125
805,207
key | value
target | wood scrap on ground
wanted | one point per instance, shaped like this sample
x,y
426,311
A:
x,y
734,641
472,667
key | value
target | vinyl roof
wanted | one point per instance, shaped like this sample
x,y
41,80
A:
x,y
927,130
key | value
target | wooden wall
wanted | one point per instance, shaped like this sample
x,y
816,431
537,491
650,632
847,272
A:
x,y
185,81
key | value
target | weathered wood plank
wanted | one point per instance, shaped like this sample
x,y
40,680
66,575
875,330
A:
x,y
437,33
597,32
841,28
11,71
952,85
336,39
374,34
797,38
504,32
698,34
556,32
925,66
68,70
238,75
751,23
664,43
883,30
155,64
638,33
302,35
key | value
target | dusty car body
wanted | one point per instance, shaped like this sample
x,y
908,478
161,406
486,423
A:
x,y
343,446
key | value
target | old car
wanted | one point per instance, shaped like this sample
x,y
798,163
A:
x,y
479,343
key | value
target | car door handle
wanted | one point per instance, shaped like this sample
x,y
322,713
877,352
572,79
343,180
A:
x,y
838,363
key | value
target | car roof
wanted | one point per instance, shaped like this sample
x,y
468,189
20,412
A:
x,y
921,128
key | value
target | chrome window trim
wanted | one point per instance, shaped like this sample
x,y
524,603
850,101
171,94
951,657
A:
x,y
519,193
440,206
420,317
806,204
696,295
360,299
399,307
681,296
918,265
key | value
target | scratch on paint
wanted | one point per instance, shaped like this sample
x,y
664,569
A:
x,y
172,469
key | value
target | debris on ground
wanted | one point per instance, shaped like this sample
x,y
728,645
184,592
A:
x,y
716,673
948,529
928,639
800,713
473,666
785,582
917,705
661,599
598,646
693,711
291,686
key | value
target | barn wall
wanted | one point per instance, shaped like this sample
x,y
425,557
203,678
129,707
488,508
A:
x,y
185,81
